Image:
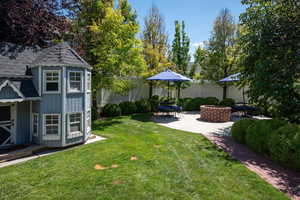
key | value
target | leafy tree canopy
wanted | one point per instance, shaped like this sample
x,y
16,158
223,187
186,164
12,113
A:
x,y
33,22
220,58
271,48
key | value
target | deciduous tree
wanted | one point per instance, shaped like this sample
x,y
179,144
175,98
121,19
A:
x,y
155,41
271,48
33,22
222,51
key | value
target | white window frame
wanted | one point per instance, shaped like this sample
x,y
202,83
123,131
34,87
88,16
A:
x,y
37,125
88,88
77,133
88,125
45,81
51,137
69,82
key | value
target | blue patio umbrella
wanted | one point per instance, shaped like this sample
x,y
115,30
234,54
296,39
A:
x,y
168,76
233,78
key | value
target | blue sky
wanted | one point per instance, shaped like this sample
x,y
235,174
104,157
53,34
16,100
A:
x,y
198,15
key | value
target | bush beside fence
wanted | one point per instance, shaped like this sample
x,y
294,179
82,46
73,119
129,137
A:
x,y
274,138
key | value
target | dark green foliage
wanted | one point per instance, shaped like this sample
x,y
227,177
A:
x,y
258,134
194,104
95,114
127,108
211,101
271,54
154,101
228,102
111,110
239,130
143,106
284,145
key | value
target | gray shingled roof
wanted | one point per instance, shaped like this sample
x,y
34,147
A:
x,y
15,58
59,55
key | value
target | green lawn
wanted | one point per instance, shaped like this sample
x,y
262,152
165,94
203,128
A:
x,y
170,165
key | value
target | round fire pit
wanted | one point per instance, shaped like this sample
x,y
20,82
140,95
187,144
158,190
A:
x,y
215,113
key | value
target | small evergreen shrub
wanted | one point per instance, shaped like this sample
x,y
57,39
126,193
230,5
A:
x,y
284,146
127,108
111,110
189,104
239,130
228,102
154,101
143,106
258,134
211,101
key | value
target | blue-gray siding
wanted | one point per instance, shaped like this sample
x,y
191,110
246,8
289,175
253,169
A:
x,y
8,93
75,102
23,123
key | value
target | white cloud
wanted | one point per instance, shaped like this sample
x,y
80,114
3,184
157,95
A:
x,y
198,44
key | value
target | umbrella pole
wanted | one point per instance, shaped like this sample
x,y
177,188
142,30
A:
x,y
244,95
168,90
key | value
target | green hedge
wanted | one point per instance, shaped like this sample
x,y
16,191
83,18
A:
x,y
284,145
276,138
128,108
239,130
258,134
228,102
143,106
111,110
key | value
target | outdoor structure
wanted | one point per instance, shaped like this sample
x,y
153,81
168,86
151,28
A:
x,y
45,96
215,113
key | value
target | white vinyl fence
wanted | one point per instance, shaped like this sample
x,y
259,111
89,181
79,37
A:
x,y
195,90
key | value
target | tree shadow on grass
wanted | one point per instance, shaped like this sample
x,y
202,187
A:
x,y
102,124
143,117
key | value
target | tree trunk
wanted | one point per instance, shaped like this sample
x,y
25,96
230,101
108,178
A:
x,y
150,89
179,90
224,91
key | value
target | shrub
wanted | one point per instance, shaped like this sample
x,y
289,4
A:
x,y
228,102
211,101
111,110
127,108
143,106
154,101
284,145
95,114
258,134
239,130
189,104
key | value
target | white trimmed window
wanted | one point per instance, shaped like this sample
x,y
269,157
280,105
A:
x,y
52,126
52,81
75,81
89,82
35,124
75,125
88,121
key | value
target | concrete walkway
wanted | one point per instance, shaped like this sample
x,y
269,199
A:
x,y
283,179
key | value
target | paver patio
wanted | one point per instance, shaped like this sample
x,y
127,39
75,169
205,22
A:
x,y
283,179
